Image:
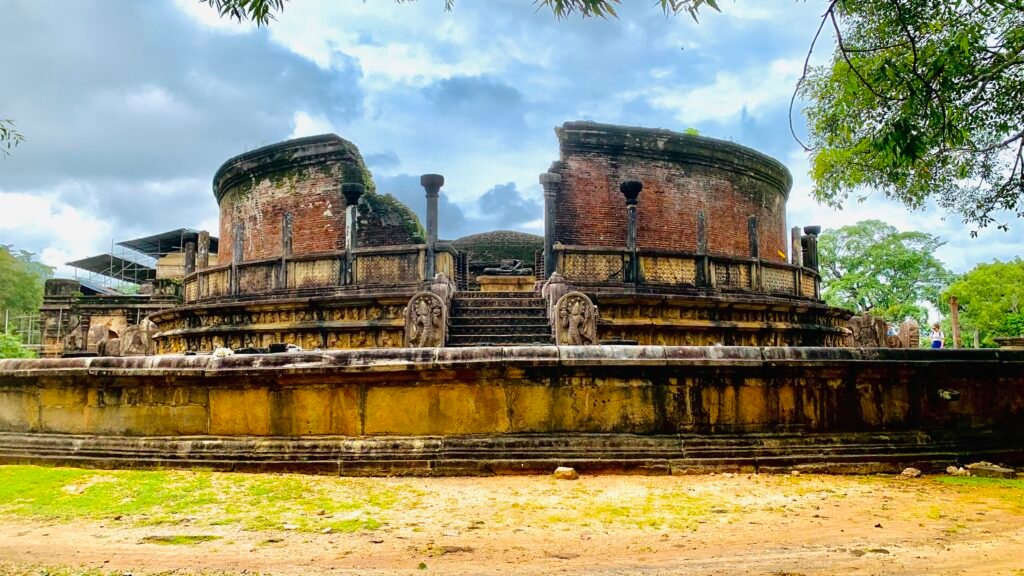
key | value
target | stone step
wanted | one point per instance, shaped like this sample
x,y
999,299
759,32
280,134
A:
x,y
499,340
540,331
498,312
475,295
498,302
499,321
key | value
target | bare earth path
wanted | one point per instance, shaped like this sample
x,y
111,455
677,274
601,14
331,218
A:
x,y
536,525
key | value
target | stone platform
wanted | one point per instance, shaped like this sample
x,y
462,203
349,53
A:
x,y
643,409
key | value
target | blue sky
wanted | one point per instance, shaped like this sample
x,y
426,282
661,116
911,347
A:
x,y
129,107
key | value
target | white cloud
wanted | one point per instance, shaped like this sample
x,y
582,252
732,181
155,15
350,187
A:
x,y
208,17
307,124
729,93
65,232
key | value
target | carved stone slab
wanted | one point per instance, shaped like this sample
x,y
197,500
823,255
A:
x,y
426,321
575,320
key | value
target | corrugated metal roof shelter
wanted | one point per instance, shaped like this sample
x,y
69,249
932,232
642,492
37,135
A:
x,y
168,242
116,267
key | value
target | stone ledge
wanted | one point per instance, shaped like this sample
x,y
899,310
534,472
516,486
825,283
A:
x,y
848,453
428,359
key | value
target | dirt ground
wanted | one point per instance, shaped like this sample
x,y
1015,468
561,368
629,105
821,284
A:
x,y
718,524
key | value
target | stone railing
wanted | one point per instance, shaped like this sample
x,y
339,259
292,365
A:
x,y
364,267
596,267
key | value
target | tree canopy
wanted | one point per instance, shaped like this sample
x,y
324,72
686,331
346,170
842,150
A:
x,y
872,267
21,282
921,99
991,299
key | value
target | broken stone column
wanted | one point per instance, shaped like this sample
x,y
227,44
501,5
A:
x,y
809,244
551,182
190,258
432,185
631,189
703,275
796,244
352,191
286,248
203,250
237,246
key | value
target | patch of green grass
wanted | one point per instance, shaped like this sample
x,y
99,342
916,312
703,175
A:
x,y
1009,493
180,539
252,501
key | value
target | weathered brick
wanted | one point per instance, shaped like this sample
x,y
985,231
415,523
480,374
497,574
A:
x,y
304,177
682,175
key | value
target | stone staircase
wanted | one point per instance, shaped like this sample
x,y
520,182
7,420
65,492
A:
x,y
498,319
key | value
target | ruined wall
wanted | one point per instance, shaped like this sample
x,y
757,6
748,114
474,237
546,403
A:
x,y
682,175
635,390
303,177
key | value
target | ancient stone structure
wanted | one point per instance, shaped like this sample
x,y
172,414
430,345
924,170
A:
x,y
664,328
521,409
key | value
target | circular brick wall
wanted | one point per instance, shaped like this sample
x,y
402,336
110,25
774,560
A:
x,y
303,177
683,175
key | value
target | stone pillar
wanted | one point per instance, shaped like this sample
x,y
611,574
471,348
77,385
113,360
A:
x,y
755,254
190,258
954,320
631,191
352,191
755,247
203,250
551,182
237,245
809,244
432,185
796,257
286,249
703,271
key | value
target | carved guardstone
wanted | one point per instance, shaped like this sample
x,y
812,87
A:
x,y
426,321
575,320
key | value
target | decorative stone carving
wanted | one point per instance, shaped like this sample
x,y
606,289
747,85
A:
x,y
575,320
867,332
443,287
910,334
552,291
98,335
426,321
74,340
138,339
510,267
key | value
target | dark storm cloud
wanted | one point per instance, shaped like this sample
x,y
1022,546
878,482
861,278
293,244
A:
x,y
115,94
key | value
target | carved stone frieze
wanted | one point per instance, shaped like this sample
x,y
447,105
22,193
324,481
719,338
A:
x,y
575,320
426,321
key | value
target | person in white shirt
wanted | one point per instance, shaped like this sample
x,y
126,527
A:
x,y
937,337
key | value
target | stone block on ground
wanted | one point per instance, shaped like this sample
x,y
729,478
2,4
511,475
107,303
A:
x,y
566,473
989,470
911,473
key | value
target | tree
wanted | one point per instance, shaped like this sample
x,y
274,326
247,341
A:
x,y
872,267
9,137
921,99
11,347
21,282
991,299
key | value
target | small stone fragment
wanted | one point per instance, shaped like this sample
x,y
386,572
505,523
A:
x,y
327,530
951,470
290,527
989,470
795,473
566,473
911,473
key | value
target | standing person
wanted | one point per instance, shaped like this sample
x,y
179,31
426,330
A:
x,y
937,337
